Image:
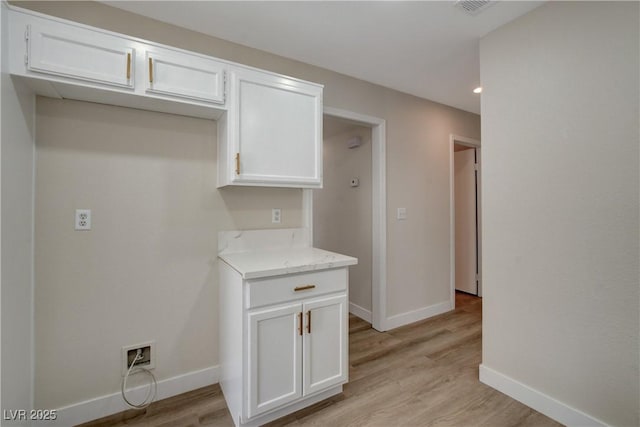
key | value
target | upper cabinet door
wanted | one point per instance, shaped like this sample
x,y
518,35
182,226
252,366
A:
x,y
79,53
275,131
183,75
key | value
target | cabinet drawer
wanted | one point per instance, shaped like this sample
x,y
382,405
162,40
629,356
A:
x,y
274,290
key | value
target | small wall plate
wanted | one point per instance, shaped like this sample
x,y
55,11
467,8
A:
x,y
149,354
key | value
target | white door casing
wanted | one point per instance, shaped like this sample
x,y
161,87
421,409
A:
x,y
379,208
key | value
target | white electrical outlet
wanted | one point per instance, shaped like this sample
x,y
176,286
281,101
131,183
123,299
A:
x,y
402,213
276,216
83,219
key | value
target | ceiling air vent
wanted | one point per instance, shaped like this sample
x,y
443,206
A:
x,y
474,7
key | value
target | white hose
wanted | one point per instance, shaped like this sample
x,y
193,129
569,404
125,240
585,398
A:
x,y
153,387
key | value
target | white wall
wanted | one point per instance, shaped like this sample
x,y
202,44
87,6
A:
x,y
342,215
16,179
417,147
560,142
146,270
417,178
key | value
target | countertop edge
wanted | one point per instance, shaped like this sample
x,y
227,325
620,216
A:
x,y
260,274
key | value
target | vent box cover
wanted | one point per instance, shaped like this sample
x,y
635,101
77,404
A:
x,y
473,7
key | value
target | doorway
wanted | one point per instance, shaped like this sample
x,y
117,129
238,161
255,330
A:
x,y
465,216
376,128
342,214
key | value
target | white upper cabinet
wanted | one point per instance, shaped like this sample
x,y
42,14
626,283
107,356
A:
x,y
64,59
270,125
184,75
273,133
78,53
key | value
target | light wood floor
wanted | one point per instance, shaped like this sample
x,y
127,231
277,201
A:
x,y
423,374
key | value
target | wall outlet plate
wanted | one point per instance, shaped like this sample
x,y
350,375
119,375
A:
x,y
402,213
83,219
148,356
276,215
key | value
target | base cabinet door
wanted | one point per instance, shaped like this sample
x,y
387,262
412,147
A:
x,y
325,343
275,357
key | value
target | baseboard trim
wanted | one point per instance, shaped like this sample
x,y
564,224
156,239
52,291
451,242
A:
x,y
537,400
416,315
110,404
362,313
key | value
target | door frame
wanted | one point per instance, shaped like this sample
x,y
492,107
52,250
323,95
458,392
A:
x,y
378,206
475,143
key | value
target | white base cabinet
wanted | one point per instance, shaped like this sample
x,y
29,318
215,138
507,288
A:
x,y
282,352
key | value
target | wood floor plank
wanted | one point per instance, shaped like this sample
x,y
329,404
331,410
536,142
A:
x,y
423,374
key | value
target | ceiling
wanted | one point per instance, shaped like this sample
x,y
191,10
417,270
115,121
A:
x,y
426,48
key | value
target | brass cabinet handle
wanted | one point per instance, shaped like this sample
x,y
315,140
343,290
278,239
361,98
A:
x,y
150,70
309,321
128,66
237,163
303,288
300,323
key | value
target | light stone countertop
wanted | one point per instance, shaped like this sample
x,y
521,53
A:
x,y
279,261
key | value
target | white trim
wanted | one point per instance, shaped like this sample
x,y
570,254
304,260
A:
x,y
452,217
379,210
3,55
417,315
307,212
33,248
362,313
110,404
537,400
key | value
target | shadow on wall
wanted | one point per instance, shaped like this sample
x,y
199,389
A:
x,y
146,131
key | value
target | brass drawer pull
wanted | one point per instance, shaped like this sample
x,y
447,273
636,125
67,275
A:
x,y
150,70
303,288
300,323
309,321
128,66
